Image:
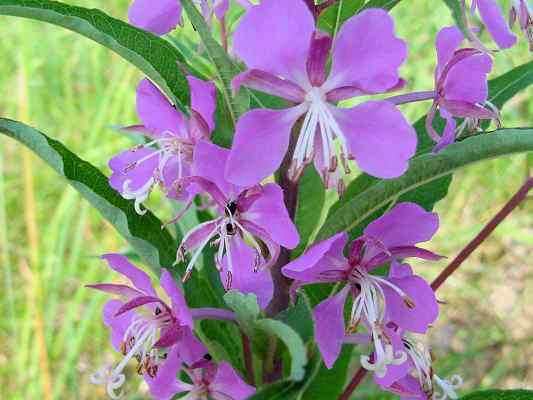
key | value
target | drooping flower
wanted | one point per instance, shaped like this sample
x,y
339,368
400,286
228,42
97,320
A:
x,y
461,88
494,20
288,57
402,298
137,171
208,380
522,11
251,225
417,380
143,326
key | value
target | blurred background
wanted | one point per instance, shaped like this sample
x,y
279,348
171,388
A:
x,y
51,334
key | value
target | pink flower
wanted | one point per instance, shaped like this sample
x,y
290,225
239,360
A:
x,y
492,16
287,57
156,16
143,326
207,380
523,11
137,171
461,87
251,225
417,379
402,298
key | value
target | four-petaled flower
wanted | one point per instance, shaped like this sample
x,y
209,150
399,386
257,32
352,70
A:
x,y
143,326
403,298
288,57
461,88
251,226
137,171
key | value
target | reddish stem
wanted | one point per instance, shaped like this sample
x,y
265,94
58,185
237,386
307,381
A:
x,y
515,201
248,359
322,6
356,380
507,209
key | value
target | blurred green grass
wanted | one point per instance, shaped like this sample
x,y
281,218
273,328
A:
x,y
52,337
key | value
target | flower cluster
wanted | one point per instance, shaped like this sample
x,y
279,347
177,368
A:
x,y
286,55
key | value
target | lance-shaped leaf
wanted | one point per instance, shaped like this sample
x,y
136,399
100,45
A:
x,y
154,56
425,169
246,309
500,395
155,246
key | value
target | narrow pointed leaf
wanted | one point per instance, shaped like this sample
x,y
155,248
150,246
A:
x,y
425,169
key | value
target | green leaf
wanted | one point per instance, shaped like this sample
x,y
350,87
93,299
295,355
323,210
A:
x,y
329,383
229,109
156,57
311,198
293,342
500,395
457,14
155,246
334,16
246,309
386,4
299,317
425,169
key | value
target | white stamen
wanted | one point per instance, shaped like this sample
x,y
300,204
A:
x,y
448,387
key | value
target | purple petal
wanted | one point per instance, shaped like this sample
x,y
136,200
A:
x,y
221,8
138,302
405,225
378,136
318,57
448,136
121,290
158,17
228,383
244,278
126,167
275,37
467,80
493,18
367,54
398,252
414,319
118,325
394,372
138,278
408,388
165,385
198,235
274,249
179,305
448,39
268,83
191,349
260,143
322,262
169,336
329,326
463,109
398,270
269,213
203,99
156,113
210,161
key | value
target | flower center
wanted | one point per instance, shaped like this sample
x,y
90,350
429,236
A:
x,y
226,227
319,128
137,342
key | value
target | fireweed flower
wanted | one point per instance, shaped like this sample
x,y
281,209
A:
x,y
461,88
137,171
493,18
288,57
523,11
251,225
418,380
407,300
208,380
143,326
